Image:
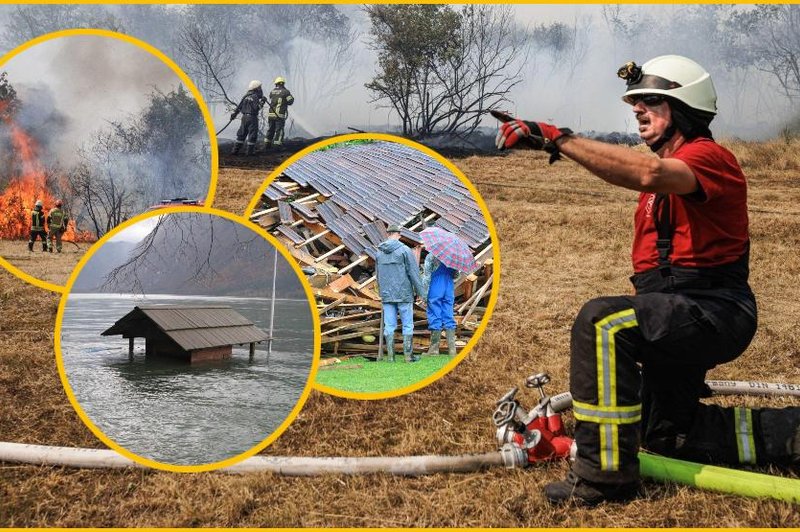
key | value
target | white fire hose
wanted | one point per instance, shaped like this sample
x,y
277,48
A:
x,y
655,467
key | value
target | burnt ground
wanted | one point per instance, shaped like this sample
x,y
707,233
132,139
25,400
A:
x,y
564,239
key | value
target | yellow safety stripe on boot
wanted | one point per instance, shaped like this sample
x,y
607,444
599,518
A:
x,y
606,354
745,442
614,415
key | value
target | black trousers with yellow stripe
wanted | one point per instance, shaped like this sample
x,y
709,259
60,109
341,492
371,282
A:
x,y
638,366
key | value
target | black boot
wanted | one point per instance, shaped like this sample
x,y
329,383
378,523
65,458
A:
x,y
250,150
389,339
451,342
780,435
408,348
436,337
236,147
582,492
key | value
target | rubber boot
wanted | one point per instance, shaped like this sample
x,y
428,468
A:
x,y
389,340
236,147
451,342
250,149
436,336
30,246
408,348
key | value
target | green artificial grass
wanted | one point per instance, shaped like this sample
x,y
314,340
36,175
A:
x,y
346,143
379,376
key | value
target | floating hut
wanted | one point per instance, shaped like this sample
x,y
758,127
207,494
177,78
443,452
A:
x,y
191,333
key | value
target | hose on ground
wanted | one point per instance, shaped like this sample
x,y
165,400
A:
x,y
659,468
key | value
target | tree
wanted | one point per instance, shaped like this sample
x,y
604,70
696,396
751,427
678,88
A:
x,y
30,21
441,70
206,52
193,251
773,37
161,152
9,103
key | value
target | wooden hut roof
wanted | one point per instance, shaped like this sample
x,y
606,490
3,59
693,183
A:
x,y
191,327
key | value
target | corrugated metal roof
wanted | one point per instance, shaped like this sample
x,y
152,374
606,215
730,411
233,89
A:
x,y
191,327
389,182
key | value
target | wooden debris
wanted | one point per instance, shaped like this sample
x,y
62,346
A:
x,y
332,208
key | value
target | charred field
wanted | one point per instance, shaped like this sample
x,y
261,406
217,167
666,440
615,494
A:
x,y
564,239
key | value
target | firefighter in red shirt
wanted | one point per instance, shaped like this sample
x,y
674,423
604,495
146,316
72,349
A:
x,y
638,363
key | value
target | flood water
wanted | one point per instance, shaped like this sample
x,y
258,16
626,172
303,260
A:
x,y
180,413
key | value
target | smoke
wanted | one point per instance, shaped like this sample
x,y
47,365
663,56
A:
x,y
41,119
82,83
575,88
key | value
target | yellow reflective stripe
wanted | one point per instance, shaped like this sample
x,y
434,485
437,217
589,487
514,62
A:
x,y
606,355
605,347
745,442
617,415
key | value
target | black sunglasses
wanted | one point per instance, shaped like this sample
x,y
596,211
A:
x,y
650,100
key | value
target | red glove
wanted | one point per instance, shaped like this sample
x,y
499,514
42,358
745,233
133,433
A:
x,y
536,134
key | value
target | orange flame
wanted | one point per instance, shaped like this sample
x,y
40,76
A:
x,y
19,197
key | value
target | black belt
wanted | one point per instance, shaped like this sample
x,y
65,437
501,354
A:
x,y
675,278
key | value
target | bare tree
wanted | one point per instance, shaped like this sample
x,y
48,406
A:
x,y
203,245
441,70
206,53
102,199
30,21
777,45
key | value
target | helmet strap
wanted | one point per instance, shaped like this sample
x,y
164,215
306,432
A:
x,y
664,138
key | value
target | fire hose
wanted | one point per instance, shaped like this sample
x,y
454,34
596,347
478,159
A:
x,y
654,467
518,450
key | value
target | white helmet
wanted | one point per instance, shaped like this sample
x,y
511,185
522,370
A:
x,y
674,76
254,85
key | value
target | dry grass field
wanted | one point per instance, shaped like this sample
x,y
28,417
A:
x,y
564,238
53,268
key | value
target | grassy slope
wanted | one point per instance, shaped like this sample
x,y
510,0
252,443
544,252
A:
x,y
564,238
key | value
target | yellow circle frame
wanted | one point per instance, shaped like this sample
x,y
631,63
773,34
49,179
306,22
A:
x,y
212,185
492,232
212,465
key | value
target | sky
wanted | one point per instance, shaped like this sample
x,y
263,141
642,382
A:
x,y
584,98
89,80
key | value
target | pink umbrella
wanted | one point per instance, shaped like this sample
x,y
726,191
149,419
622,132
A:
x,y
449,249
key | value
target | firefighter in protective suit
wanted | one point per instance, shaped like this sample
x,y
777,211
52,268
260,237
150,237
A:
x,y
56,225
638,363
37,226
249,107
279,101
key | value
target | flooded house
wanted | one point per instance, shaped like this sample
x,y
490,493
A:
x,y
190,333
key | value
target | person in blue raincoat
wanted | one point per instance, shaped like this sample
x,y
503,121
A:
x,y
438,281
398,284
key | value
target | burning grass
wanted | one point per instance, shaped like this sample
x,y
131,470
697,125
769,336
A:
x,y
557,251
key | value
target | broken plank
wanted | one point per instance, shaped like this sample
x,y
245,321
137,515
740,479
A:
x,y
333,305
